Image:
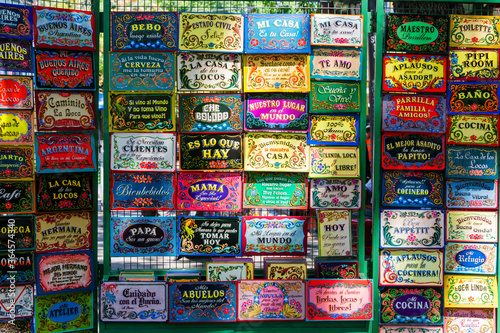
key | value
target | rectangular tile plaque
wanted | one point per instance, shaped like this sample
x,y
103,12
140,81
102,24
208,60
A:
x,y
471,162
471,194
336,30
470,258
472,226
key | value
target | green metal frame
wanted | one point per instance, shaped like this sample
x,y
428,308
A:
x,y
377,138
109,273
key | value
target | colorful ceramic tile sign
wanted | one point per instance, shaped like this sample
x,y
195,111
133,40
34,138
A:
x,y
335,193
336,30
328,97
18,230
473,65
18,269
65,152
147,71
16,302
16,21
474,31
271,300
211,32
228,271
411,267
271,33
276,152
470,320
276,73
338,162
142,236
17,163
274,235
414,73
17,93
470,291
473,130
335,63
209,191
339,300
134,302
63,231
209,71
64,192
202,302
143,152
141,113
470,258
423,229
336,269
335,129
414,113
416,33
471,194
276,112
144,31
412,189
16,55
17,197
16,127
334,233
211,113
472,162
472,226
275,190
408,151
473,98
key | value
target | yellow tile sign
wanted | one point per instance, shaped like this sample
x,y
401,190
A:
x,y
470,291
475,31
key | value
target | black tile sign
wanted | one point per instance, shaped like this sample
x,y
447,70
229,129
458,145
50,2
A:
x,y
64,192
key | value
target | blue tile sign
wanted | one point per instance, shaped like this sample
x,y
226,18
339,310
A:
x,y
471,194
283,33
471,162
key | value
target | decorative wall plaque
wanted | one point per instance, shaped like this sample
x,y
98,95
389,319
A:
x,y
473,130
412,229
414,73
275,190
285,271
467,258
64,69
142,152
17,302
16,197
210,151
332,193
16,21
142,191
17,269
149,71
209,236
336,269
474,31
338,162
64,271
65,152
284,235
276,152
276,73
211,32
473,98
283,33
412,189
202,302
411,267
64,29
64,192
472,320
16,127
271,300
142,236
470,291
229,271
416,33
336,30
414,113
336,129
16,163
276,112
209,191
65,111
141,113
339,299
16,92
471,194
209,71
18,326
471,162
134,302
472,226
63,231
417,305
473,65
63,312
144,31
408,151
211,113
16,55
334,96
335,63
17,230
334,233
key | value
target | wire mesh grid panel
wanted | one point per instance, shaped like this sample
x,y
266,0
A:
x,y
67,4
442,8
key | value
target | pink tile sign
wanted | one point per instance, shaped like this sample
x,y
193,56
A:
x,y
469,320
